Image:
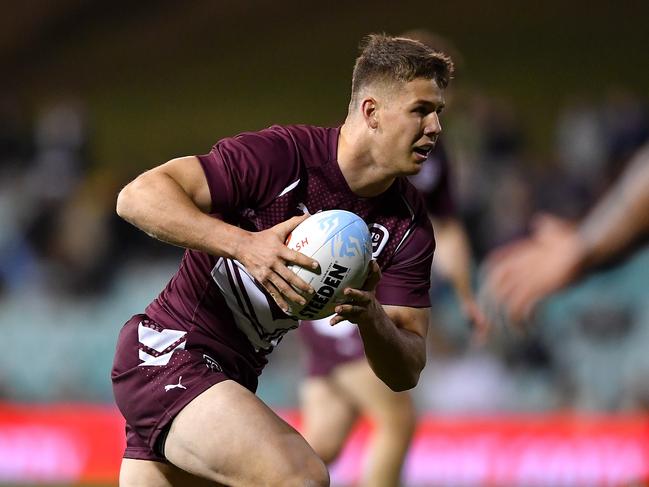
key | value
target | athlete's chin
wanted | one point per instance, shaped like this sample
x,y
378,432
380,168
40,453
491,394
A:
x,y
413,168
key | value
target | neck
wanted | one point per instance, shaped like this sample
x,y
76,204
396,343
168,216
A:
x,y
358,165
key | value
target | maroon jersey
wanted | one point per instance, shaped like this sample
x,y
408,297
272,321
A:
x,y
260,179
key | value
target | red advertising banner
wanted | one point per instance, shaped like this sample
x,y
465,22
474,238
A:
x,y
528,451
83,444
60,443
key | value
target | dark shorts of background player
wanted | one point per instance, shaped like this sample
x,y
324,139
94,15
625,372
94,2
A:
x,y
140,391
325,352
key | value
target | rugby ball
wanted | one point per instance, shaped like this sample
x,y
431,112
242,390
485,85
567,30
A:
x,y
341,243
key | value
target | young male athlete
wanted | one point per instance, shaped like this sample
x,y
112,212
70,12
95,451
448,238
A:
x,y
339,385
185,372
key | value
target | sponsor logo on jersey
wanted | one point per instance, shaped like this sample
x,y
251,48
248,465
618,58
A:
x,y
174,386
212,364
380,237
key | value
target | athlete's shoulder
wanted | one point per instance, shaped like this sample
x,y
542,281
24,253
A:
x,y
307,141
305,133
275,139
273,147
315,144
250,169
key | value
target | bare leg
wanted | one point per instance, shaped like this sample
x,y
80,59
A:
x,y
327,416
138,473
228,435
394,420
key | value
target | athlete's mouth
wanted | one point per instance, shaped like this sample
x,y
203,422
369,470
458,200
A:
x,y
423,150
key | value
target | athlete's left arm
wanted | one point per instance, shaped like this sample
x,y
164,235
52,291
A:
x,y
394,337
395,345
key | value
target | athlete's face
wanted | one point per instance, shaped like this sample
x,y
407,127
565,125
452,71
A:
x,y
407,125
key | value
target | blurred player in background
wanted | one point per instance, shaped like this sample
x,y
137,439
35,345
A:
x,y
340,385
185,373
520,275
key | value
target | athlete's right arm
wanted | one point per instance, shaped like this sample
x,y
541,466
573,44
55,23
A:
x,y
171,203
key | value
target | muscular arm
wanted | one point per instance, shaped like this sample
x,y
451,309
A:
x,y
394,337
170,203
395,345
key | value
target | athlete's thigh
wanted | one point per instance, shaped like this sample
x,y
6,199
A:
x,y
370,395
327,416
146,473
229,435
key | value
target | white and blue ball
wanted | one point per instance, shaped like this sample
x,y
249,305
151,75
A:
x,y
341,242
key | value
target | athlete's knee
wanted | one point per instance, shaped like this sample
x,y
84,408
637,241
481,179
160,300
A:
x,y
327,449
329,456
311,473
315,475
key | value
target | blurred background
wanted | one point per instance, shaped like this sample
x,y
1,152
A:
x,y
549,104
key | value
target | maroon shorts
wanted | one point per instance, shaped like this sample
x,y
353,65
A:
x,y
329,346
157,372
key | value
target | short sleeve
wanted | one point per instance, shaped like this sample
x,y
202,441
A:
x,y
251,169
406,280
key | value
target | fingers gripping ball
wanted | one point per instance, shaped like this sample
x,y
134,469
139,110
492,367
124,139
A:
x,y
341,243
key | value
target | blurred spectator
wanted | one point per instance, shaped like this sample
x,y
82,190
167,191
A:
x,y
626,125
603,324
525,272
486,139
36,191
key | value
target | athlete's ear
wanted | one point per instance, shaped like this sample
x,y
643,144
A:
x,y
369,110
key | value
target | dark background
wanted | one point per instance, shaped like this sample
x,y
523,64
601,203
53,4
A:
x,y
167,78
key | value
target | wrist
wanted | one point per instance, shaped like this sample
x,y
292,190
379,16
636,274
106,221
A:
x,y
576,254
225,240
235,243
375,319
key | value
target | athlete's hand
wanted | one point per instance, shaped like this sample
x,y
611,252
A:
x,y
361,305
521,274
266,257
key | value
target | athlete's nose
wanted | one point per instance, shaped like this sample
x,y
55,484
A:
x,y
433,127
